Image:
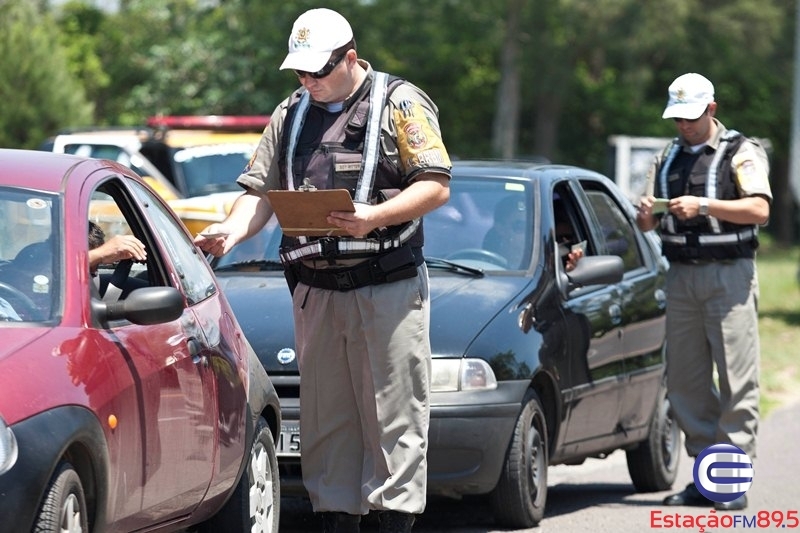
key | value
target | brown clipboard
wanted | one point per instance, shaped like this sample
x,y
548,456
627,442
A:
x,y
305,213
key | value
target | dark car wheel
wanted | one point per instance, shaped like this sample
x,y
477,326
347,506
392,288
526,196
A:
x,y
653,465
64,505
255,504
519,497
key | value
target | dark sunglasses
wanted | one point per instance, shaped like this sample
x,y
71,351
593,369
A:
x,y
324,71
690,120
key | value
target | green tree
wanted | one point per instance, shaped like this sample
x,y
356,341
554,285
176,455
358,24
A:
x,y
38,91
622,72
189,57
511,79
82,37
450,49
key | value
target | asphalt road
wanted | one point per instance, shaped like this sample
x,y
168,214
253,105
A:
x,y
598,496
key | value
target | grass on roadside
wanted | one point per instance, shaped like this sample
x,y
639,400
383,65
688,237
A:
x,y
779,324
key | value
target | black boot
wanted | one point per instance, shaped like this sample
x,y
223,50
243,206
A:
x,y
689,496
340,522
395,522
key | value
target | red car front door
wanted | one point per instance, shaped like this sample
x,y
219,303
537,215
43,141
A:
x,y
174,411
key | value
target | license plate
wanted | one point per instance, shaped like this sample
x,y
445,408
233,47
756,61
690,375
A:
x,y
288,444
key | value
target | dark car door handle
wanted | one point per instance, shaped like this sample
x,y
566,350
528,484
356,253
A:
x,y
196,351
661,299
615,312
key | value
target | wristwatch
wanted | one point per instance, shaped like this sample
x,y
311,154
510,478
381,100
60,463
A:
x,y
703,211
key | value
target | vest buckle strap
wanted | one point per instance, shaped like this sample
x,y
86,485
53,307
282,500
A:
x,y
745,235
673,239
331,247
704,262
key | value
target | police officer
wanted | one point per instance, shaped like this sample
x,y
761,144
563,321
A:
x,y
713,189
361,306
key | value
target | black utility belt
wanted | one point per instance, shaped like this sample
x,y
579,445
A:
x,y
392,266
702,262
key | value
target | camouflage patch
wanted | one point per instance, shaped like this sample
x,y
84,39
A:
x,y
750,174
418,143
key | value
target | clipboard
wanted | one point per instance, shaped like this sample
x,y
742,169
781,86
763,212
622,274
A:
x,y
305,213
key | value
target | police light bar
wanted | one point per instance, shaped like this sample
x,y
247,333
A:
x,y
212,122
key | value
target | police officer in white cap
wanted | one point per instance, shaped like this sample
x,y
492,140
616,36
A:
x,y
708,194
361,304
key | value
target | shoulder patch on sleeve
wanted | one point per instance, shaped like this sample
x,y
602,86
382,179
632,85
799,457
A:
x,y
418,143
751,169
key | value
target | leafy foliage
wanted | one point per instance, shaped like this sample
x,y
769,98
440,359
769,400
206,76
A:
x,y
37,88
585,69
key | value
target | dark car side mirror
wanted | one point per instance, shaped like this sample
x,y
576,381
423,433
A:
x,y
593,270
144,306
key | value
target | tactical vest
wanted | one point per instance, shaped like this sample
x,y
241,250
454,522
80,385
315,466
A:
x,y
342,150
707,174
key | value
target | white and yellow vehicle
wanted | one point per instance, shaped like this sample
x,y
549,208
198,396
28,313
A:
x,y
191,161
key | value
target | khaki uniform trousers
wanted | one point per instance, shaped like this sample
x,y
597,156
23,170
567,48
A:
x,y
365,360
712,324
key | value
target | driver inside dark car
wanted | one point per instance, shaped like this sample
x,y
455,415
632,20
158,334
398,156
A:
x,y
506,237
566,241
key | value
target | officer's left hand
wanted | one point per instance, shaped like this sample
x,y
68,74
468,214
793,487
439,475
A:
x,y
358,223
685,207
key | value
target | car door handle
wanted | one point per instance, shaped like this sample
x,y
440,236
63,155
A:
x,y
615,312
661,298
195,346
196,351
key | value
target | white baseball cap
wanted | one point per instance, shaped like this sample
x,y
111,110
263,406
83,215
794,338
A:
x,y
315,34
689,95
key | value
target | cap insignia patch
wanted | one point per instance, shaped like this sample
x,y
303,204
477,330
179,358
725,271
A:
x,y
302,37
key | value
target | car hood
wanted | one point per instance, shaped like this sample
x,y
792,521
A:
x,y
263,306
461,307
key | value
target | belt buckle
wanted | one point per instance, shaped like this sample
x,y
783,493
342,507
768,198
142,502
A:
x,y
344,281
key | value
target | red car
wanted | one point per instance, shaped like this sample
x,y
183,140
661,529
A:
x,y
129,397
